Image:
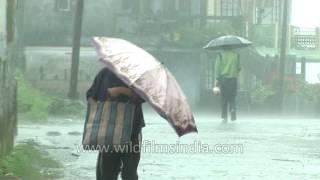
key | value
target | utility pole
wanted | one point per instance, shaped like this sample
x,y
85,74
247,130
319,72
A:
x,y
73,92
203,13
283,51
19,55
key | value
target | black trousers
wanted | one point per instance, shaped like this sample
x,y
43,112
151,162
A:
x,y
228,87
110,164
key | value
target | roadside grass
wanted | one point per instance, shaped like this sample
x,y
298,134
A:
x,y
28,162
36,105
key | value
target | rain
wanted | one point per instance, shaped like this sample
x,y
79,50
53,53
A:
x,y
207,89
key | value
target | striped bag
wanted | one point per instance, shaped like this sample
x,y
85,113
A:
x,y
107,123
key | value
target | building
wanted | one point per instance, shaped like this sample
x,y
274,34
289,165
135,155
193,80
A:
x,y
250,18
155,12
150,20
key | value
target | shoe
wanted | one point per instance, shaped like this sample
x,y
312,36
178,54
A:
x,y
224,121
233,115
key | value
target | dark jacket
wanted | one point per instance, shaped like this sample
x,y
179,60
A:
x,y
98,91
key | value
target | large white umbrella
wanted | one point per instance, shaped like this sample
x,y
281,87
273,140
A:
x,y
148,78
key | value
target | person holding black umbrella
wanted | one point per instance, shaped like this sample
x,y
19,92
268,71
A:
x,y
227,69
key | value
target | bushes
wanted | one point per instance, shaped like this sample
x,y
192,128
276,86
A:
x,y
299,96
261,94
36,105
310,94
32,103
66,107
28,162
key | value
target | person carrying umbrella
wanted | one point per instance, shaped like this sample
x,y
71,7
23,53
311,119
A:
x,y
108,86
227,69
132,74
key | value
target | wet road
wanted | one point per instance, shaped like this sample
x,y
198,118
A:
x,y
250,148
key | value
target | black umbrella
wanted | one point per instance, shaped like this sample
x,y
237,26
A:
x,y
229,41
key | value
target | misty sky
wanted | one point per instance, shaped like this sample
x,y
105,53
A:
x,y
305,13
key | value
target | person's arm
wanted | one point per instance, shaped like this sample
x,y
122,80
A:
x,y
117,91
136,99
90,100
116,88
239,63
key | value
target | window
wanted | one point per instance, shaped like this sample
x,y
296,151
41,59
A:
x,y
230,7
63,5
207,67
212,11
131,6
298,68
125,4
148,7
185,7
210,79
312,73
168,8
